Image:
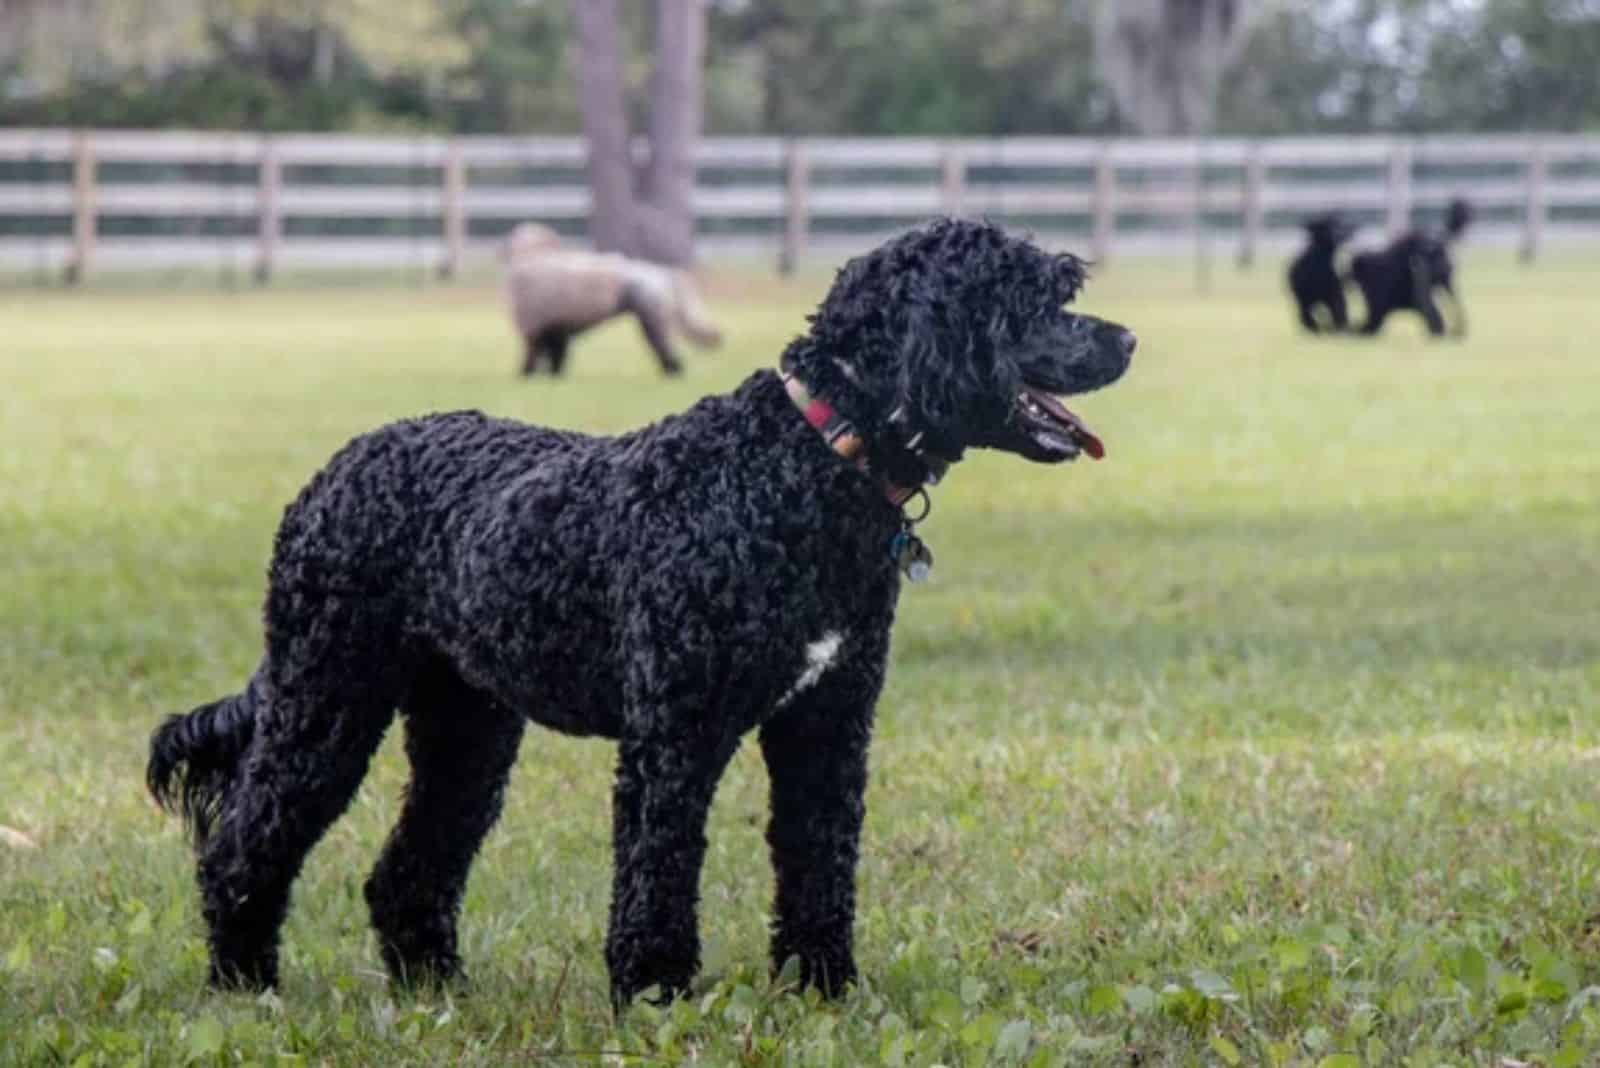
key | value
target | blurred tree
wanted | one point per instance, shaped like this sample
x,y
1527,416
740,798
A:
x,y
517,75
1418,66
929,67
1164,59
1348,66
605,124
1520,64
414,36
52,43
253,63
987,67
666,194
651,217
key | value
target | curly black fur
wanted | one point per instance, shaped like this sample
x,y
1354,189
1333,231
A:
x,y
1313,277
673,588
1410,272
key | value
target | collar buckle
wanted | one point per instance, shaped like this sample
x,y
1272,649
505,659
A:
x,y
908,552
843,438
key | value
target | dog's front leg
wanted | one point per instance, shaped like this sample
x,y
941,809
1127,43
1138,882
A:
x,y
665,782
816,755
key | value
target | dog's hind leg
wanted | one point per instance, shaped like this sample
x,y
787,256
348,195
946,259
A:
x,y
462,746
1308,319
328,696
1431,314
653,321
1377,312
1458,309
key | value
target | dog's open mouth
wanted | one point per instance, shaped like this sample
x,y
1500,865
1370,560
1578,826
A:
x,y
1054,431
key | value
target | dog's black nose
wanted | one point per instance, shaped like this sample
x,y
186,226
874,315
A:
x,y
1129,341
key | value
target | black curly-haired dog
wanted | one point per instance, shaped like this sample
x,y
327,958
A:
x,y
734,567
1314,278
1410,271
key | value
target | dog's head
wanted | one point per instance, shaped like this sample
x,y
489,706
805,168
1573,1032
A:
x,y
528,239
1329,230
1456,218
957,335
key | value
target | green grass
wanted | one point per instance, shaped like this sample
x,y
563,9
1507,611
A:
x,y
1268,740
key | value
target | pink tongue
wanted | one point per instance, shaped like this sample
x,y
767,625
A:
x,y
1081,435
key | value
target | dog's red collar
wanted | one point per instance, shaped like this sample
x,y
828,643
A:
x,y
908,551
840,434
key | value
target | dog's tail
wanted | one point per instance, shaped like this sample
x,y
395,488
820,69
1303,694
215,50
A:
x,y
193,758
693,318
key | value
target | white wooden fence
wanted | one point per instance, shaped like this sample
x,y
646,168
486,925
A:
x,y
74,201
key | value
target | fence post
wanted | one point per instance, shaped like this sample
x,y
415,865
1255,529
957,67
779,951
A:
x,y
952,179
1399,188
1105,204
455,210
796,214
1254,176
1534,210
269,215
83,207
1199,202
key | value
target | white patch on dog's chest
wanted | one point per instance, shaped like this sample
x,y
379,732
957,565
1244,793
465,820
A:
x,y
820,656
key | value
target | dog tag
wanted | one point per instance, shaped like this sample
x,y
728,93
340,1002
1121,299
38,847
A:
x,y
911,555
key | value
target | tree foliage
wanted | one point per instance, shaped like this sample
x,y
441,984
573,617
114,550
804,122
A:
x,y
1164,58
980,67
1419,66
910,67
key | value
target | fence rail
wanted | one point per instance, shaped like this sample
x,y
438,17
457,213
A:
x,y
75,200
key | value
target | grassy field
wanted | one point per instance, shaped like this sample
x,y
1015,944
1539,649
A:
x,y
1269,740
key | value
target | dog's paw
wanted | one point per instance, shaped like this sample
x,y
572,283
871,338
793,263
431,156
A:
x,y
661,972
425,972
246,976
830,974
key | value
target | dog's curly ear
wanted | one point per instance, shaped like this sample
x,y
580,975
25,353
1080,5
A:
x,y
527,239
953,378
1071,273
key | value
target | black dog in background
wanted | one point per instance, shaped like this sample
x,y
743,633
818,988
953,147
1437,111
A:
x,y
733,568
1410,271
1314,278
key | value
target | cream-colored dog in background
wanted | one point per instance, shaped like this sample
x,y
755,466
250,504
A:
x,y
555,292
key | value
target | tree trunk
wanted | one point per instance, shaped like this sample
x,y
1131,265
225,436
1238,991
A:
x,y
605,126
666,227
324,52
657,223
1164,58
